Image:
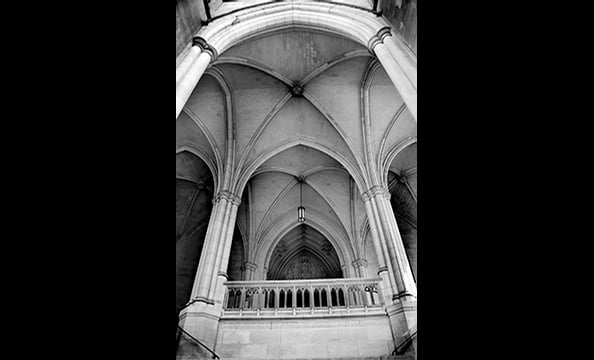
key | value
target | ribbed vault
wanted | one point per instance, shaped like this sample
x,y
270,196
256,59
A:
x,y
273,194
284,104
291,104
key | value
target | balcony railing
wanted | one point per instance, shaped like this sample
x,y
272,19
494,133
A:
x,y
297,297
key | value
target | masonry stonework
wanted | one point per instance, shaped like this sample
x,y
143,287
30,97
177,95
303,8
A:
x,y
294,105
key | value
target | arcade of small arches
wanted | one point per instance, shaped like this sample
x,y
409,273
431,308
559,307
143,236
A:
x,y
283,108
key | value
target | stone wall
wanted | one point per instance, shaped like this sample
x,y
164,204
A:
x,y
340,337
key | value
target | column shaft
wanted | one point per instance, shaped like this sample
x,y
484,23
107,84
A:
x,y
398,77
395,245
219,249
384,271
207,257
248,271
399,54
218,290
360,266
188,60
186,85
228,238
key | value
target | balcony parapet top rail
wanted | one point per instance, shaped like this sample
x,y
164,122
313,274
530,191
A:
x,y
268,283
302,297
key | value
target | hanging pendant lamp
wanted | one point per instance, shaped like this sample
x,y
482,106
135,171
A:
x,y
301,209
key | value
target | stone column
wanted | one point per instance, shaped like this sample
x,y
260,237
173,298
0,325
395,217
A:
x,y
249,270
185,64
401,54
394,246
388,284
360,266
397,74
204,273
201,317
185,86
217,265
402,305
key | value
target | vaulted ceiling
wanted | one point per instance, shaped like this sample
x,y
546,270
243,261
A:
x,y
296,99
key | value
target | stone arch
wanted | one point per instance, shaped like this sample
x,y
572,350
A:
x,y
391,155
212,164
267,245
335,219
312,258
361,26
354,24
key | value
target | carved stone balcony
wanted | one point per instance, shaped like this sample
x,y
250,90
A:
x,y
302,298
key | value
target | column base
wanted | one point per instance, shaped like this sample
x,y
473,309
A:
x,y
403,320
201,320
386,289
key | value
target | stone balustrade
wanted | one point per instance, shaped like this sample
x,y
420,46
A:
x,y
302,297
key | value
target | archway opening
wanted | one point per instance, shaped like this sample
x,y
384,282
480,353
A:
x,y
304,253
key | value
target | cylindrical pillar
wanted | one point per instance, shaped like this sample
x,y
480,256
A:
x,y
186,85
249,270
396,247
233,205
384,262
224,252
396,259
185,64
398,76
216,249
360,266
399,54
207,257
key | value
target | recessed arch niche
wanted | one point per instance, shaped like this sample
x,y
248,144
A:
x,y
304,253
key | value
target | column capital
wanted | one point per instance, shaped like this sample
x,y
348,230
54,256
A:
x,y
365,197
378,38
227,195
205,47
373,42
360,263
383,33
248,266
375,191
